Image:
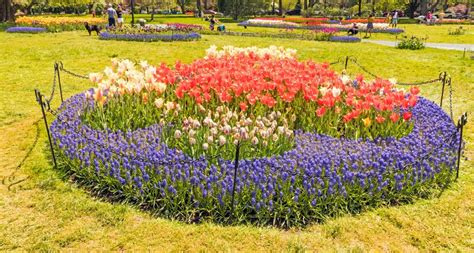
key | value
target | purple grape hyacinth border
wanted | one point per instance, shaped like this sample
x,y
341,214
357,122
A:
x,y
25,29
321,177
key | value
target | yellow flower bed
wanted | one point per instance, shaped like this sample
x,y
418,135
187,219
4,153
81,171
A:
x,y
59,23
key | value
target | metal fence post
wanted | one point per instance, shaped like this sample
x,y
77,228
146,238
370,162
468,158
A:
x,y
57,72
39,99
236,165
443,79
347,61
461,122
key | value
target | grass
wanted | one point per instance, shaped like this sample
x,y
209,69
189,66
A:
x,y
47,212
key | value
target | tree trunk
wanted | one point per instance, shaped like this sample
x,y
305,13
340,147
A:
x,y
433,7
6,11
198,6
280,7
424,7
273,7
206,5
181,4
360,8
236,6
468,7
132,9
412,6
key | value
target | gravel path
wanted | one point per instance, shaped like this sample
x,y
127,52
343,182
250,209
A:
x,y
446,46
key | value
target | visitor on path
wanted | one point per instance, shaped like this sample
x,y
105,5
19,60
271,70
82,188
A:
x,y
388,18
370,25
111,13
354,30
119,16
212,23
395,19
429,18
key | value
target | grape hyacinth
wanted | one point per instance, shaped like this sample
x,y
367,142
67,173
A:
x,y
321,176
25,29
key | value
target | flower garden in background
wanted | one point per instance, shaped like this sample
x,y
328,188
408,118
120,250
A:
x,y
309,143
319,24
161,32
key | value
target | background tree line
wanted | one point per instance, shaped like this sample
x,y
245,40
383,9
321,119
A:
x,y
233,8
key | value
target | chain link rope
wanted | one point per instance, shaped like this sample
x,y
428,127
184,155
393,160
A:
x,y
61,68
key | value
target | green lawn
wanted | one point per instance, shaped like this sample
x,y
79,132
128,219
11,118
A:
x,y
48,212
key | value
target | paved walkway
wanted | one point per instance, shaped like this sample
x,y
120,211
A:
x,y
447,46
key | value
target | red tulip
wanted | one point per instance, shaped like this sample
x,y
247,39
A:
x,y
394,117
407,116
321,111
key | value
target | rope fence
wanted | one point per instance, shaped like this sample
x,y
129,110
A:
x,y
45,104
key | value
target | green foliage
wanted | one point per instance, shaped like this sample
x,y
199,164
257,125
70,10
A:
x,y
412,43
458,31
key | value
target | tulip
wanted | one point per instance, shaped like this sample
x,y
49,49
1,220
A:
x,y
321,111
177,134
394,117
222,140
367,122
407,116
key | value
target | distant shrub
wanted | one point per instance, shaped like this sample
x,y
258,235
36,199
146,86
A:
x,y
412,43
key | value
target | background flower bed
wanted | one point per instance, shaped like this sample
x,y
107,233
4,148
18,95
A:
x,y
58,24
149,33
320,177
378,27
317,35
25,29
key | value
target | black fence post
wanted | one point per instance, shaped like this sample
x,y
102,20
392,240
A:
x,y
57,72
236,165
39,99
347,61
461,122
443,79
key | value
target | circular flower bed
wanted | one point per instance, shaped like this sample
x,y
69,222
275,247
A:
x,y
148,33
25,29
312,144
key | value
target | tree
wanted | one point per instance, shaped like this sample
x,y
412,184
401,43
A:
x,y
360,8
280,7
198,7
6,11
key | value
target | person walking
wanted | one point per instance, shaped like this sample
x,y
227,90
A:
x,y
212,23
388,19
395,19
119,16
370,26
111,13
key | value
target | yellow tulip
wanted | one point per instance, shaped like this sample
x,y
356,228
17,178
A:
x,y
367,122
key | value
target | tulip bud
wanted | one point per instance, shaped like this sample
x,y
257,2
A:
x,y
159,103
254,140
205,146
177,134
222,140
210,139
275,137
